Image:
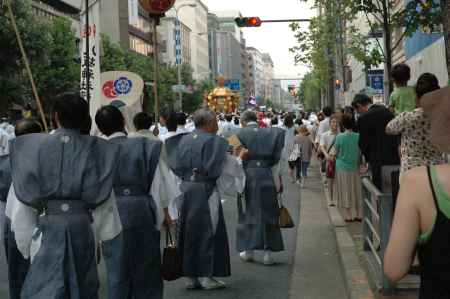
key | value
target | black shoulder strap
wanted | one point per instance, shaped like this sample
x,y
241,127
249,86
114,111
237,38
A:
x,y
433,189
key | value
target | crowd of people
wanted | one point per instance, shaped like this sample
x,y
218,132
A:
x,y
69,199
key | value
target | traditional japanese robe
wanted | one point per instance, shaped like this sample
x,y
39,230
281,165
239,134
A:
x,y
17,265
133,259
60,205
208,174
259,210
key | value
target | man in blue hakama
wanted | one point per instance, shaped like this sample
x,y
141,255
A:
x,y
208,175
61,204
258,209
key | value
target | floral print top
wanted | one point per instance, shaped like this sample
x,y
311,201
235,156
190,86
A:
x,y
416,148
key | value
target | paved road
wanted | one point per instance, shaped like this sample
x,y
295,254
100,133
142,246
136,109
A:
x,y
256,281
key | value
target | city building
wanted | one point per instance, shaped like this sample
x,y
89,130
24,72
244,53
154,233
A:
x,y
126,23
168,49
268,74
227,48
256,73
194,16
52,9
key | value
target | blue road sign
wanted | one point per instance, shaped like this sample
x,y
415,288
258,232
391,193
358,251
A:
x,y
233,84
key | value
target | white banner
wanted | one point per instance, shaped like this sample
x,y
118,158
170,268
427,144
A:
x,y
91,66
124,90
133,12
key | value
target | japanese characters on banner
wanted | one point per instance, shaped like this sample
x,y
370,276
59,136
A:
x,y
125,91
91,65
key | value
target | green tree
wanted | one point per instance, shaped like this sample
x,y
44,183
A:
x,y
61,72
310,91
14,84
317,45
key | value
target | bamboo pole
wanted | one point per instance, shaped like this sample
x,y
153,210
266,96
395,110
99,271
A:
x,y
27,64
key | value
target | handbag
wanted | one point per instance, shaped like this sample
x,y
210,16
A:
x,y
285,219
295,154
172,265
331,169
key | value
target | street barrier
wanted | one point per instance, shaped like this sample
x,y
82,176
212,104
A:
x,y
377,220
378,213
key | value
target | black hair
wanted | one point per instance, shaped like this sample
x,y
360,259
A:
x,y
142,121
229,117
182,118
288,121
274,121
236,121
172,121
426,83
72,110
348,122
327,111
27,126
110,120
86,126
361,99
401,73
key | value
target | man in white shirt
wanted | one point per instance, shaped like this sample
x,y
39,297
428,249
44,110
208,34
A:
x,y
228,129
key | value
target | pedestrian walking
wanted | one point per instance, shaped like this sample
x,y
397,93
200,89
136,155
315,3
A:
x,y
208,175
17,265
132,259
415,129
403,98
378,148
327,142
61,204
258,217
305,147
348,182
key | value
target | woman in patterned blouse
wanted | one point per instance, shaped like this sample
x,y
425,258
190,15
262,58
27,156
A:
x,y
414,127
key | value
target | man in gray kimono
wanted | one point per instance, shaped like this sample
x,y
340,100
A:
x,y
259,210
208,175
61,204
17,265
133,259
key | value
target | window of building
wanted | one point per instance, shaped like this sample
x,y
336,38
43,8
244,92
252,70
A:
x,y
143,24
140,46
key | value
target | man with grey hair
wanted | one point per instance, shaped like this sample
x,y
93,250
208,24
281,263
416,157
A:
x,y
258,222
208,175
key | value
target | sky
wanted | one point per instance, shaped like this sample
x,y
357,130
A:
x,y
272,38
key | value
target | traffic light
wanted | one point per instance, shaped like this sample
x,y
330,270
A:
x,y
248,22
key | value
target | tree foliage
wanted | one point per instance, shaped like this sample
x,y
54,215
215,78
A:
x,y
317,45
310,91
14,83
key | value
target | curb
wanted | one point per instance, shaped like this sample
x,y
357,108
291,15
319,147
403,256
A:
x,y
356,280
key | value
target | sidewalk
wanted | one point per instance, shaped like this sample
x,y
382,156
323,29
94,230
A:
x,y
350,247
316,272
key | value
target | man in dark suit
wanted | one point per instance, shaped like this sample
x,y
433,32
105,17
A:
x,y
378,148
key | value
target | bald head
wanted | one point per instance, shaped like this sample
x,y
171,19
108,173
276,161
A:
x,y
205,120
27,126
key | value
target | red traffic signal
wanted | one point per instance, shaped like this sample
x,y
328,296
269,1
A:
x,y
248,22
157,7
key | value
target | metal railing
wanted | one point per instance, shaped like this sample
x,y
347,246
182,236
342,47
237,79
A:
x,y
378,210
377,221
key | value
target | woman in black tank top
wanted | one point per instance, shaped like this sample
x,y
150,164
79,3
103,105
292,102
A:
x,y
422,224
